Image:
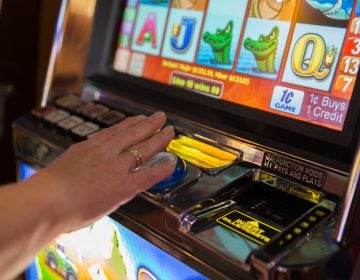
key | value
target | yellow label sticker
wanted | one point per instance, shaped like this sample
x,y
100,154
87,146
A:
x,y
248,227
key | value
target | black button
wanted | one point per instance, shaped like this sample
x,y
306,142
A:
x,y
56,116
70,122
85,129
94,111
67,101
111,117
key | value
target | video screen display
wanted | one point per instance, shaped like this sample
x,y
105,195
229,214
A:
x,y
297,59
103,250
106,250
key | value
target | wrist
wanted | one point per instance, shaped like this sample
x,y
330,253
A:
x,y
48,200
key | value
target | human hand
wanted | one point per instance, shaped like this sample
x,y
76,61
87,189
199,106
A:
x,y
94,177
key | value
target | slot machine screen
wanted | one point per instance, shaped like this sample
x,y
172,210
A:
x,y
289,65
104,250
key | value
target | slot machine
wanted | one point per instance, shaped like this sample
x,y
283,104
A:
x,y
264,99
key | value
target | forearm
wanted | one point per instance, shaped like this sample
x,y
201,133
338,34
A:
x,y
28,220
89,180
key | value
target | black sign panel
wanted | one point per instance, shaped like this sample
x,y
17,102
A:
x,y
248,227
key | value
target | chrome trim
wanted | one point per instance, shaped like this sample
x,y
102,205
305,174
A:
x,y
55,50
343,221
188,219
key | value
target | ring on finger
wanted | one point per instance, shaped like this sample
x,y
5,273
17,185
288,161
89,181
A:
x,y
137,155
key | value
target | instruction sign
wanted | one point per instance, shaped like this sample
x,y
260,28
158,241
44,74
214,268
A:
x,y
294,170
248,227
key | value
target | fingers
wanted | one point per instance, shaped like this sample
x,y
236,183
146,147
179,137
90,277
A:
x,y
138,132
142,152
136,139
105,134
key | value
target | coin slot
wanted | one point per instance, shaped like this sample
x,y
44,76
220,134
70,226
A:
x,y
272,204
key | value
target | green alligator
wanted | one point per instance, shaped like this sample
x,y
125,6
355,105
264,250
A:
x,y
264,49
220,43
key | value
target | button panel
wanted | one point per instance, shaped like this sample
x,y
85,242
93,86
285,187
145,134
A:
x,y
80,120
299,230
77,118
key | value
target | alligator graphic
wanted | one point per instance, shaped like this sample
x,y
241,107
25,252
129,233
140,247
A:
x,y
264,49
337,9
220,43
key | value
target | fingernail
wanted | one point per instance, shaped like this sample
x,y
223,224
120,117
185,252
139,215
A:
x,y
159,114
169,128
140,117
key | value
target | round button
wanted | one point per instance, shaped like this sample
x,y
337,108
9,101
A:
x,y
304,225
175,178
319,213
312,219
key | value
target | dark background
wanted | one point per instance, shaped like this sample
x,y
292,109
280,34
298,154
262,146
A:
x,y
26,32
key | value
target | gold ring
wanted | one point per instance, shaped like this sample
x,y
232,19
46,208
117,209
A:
x,y
137,156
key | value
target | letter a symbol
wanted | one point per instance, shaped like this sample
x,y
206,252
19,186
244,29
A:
x,y
148,31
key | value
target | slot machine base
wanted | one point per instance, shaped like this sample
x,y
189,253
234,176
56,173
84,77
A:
x,y
196,224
